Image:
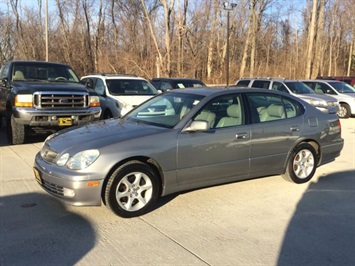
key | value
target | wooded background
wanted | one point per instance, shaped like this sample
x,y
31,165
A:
x,y
185,38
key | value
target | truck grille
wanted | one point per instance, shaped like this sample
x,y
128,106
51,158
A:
x,y
48,100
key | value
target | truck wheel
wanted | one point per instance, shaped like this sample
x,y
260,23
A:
x,y
15,131
344,110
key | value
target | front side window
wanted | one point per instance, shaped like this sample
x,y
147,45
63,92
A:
x,y
100,87
342,87
224,111
299,88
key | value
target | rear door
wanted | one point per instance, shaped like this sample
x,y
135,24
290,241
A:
x,y
277,123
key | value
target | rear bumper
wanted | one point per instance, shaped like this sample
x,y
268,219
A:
x,y
330,152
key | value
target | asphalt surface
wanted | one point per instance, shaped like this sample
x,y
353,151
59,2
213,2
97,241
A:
x,y
265,221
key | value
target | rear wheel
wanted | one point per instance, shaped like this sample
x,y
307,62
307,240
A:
x,y
302,164
132,189
15,131
344,110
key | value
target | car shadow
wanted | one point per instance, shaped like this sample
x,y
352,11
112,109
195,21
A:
x,y
322,230
29,139
38,230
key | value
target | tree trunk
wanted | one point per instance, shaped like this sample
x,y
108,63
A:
x,y
310,44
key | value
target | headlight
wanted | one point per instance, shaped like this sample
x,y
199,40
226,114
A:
x,y
317,102
80,160
24,100
94,101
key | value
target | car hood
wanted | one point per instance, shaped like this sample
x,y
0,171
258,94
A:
x,y
31,87
100,134
317,97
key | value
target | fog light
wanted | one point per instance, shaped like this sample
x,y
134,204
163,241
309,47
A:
x,y
69,192
54,118
74,117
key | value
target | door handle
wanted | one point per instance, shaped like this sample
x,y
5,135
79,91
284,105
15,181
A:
x,y
241,135
294,128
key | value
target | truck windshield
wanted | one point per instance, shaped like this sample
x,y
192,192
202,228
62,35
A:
x,y
43,72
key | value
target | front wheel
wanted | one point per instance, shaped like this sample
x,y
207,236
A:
x,y
302,164
344,110
132,189
15,131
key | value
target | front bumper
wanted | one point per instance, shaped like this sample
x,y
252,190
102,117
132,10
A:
x,y
78,190
34,117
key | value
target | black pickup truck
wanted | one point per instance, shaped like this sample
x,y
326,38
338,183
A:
x,y
37,97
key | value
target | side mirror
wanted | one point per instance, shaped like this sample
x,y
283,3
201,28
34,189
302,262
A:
x,y
198,125
89,84
4,82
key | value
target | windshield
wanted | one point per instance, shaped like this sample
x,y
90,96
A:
x,y
43,72
164,110
130,87
299,88
342,87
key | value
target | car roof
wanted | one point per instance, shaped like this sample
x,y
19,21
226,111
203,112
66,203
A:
x,y
192,79
37,62
113,76
205,91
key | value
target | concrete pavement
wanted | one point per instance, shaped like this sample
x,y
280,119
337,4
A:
x,y
265,221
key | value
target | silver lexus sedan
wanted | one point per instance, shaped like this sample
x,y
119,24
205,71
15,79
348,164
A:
x,y
187,139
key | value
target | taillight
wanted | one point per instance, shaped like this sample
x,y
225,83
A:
x,y
339,126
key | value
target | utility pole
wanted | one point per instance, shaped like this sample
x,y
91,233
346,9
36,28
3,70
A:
x,y
228,7
46,23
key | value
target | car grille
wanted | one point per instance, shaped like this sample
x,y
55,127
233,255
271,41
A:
x,y
47,154
53,100
55,189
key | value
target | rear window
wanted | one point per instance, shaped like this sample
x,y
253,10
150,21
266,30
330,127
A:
x,y
243,82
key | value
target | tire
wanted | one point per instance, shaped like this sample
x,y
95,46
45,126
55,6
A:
x,y
107,114
15,131
344,110
132,189
302,164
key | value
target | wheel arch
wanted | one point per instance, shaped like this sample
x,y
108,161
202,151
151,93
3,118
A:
x,y
147,160
311,142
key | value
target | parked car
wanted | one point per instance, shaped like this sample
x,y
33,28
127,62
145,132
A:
x,y
348,79
186,139
342,91
42,97
119,93
164,84
325,103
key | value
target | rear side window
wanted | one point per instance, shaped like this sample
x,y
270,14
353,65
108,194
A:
x,y
263,84
267,107
243,82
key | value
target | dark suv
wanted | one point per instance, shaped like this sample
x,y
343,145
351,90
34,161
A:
x,y
37,97
164,84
